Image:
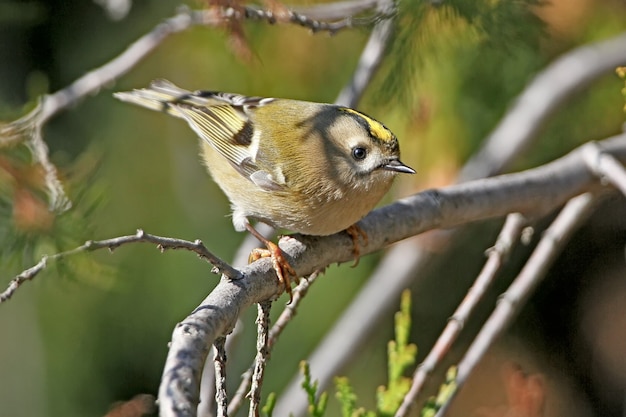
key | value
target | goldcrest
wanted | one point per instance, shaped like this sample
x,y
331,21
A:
x,y
311,168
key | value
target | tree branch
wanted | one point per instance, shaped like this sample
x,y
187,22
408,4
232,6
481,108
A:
x,y
535,191
285,318
262,356
577,210
605,166
163,243
551,87
219,362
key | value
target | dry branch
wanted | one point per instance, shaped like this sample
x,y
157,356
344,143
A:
x,y
573,215
163,243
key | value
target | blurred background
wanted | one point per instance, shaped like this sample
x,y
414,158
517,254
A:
x,y
93,330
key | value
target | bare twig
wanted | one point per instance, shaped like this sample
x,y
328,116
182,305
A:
x,y
371,57
243,390
575,212
219,361
262,355
163,243
337,10
290,310
214,317
301,19
283,319
509,235
208,406
28,129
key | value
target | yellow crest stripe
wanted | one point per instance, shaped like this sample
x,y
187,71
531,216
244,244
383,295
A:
x,y
377,129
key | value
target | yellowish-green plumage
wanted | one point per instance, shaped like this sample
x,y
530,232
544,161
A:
x,y
306,167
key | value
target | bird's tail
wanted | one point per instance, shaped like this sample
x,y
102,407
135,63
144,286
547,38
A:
x,y
159,96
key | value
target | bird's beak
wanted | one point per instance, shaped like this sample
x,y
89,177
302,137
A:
x,y
397,166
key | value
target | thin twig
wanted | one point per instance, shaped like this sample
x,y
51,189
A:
x,y
163,243
301,19
59,201
219,361
371,56
508,237
242,390
282,321
262,356
207,405
575,212
240,259
291,309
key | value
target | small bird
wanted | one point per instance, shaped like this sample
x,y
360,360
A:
x,y
310,168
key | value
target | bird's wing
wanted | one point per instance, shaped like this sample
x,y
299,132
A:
x,y
221,119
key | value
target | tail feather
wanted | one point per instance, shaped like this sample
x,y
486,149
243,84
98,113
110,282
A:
x,y
166,97
159,97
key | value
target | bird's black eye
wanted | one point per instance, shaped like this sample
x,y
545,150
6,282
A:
x,y
359,153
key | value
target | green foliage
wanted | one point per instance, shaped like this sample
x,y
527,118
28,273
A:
x,y
317,405
428,31
347,398
446,390
400,356
268,408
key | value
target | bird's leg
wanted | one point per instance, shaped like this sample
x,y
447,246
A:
x,y
279,263
355,233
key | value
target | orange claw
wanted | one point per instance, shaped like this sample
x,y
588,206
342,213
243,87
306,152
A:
x,y
355,233
283,270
